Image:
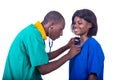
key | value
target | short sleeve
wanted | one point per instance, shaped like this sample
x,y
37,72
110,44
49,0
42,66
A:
x,y
36,51
95,58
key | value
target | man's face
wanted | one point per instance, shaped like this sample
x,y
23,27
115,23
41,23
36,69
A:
x,y
57,30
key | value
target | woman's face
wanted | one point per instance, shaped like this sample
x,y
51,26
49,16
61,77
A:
x,y
81,26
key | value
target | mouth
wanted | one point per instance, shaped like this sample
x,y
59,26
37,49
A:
x,y
76,30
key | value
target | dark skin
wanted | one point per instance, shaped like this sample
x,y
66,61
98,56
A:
x,y
51,66
74,49
92,76
61,50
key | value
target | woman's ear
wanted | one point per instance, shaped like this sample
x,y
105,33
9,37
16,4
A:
x,y
89,25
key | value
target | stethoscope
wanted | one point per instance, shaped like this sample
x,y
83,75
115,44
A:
x,y
50,42
50,45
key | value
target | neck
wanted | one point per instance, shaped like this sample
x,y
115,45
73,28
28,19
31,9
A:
x,y
46,27
83,39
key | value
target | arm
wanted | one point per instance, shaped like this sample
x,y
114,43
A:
x,y
95,60
51,66
92,76
56,53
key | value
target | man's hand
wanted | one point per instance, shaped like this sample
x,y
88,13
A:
x,y
74,50
71,42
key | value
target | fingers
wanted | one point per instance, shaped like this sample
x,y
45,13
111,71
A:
x,y
74,40
75,49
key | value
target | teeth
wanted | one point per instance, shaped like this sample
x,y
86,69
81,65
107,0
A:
x,y
76,29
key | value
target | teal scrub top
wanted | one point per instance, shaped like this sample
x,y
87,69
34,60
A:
x,y
26,53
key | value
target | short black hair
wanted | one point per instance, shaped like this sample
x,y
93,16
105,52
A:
x,y
53,16
90,17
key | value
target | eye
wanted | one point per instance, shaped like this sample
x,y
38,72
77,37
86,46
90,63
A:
x,y
79,23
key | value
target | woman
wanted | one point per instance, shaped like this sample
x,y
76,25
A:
x,y
89,64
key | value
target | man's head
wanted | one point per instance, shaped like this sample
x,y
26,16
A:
x,y
54,24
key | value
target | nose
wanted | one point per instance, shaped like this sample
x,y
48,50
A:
x,y
75,25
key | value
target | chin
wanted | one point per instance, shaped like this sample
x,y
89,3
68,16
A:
x,y
53,39
77,34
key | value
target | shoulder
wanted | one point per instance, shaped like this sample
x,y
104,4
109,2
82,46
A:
x,y
92,39
28,32
93,42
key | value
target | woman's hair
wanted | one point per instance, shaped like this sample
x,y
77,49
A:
x,y
53,16
90,17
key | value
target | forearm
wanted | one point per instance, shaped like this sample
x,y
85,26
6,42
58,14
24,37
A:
x,y
56,53
51,66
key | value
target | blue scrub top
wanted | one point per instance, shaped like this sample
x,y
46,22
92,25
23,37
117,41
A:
x,y
89,60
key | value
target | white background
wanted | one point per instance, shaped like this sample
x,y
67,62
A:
x,y
17,14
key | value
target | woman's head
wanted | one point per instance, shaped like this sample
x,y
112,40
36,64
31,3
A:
x,y
89,17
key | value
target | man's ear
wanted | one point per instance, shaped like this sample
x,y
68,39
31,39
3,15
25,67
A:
x,y
51,27
50,24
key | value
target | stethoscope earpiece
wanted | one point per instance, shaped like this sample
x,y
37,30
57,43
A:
x,y
50,41
50,45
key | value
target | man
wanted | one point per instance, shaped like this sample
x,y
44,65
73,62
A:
x,y
27,58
